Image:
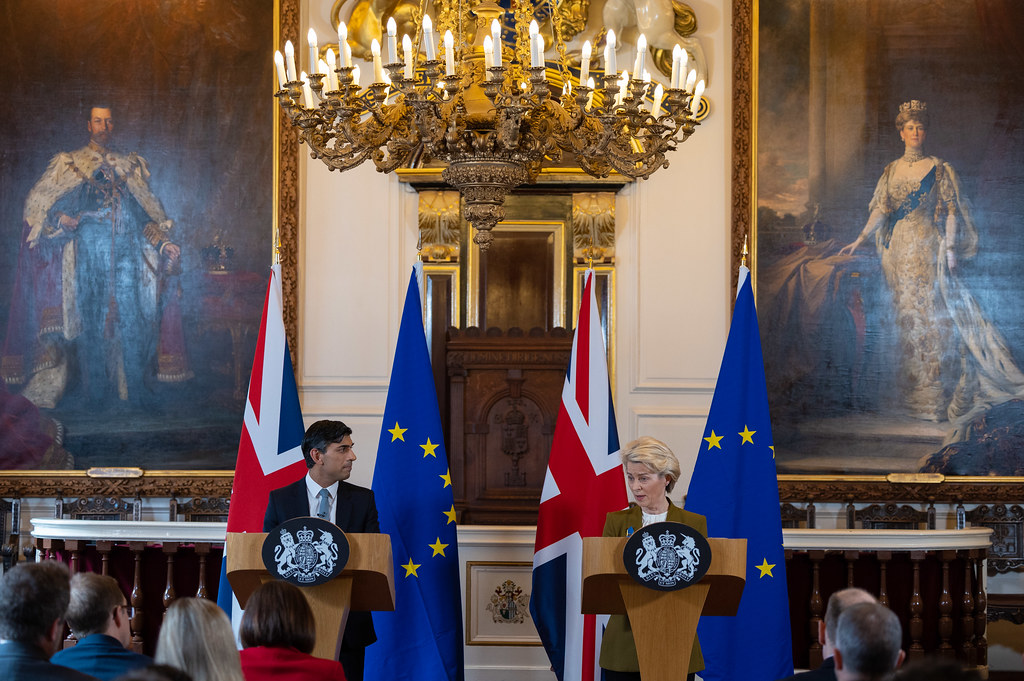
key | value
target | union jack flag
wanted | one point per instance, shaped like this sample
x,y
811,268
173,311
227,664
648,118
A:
x,y
583,484
270,448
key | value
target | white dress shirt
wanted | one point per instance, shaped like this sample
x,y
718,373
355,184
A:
x,y
313,497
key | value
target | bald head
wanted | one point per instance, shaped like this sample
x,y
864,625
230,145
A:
x,y
837,603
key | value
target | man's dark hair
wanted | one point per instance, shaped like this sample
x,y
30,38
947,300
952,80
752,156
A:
x,y
277,616
868,638
93,598
837,603
321,434
32,597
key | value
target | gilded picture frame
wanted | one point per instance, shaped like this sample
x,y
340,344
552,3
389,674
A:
x,y
498,604
818,118
179,83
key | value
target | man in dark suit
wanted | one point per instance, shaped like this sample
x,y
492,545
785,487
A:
x,y
33,600
323,492
837,603
99,616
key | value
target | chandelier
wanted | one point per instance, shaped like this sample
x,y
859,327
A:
x,y
492,120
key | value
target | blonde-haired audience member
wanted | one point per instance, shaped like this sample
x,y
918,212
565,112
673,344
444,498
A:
x,y
196,637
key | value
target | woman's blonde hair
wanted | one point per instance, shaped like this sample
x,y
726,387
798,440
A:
x,y
654,454
196,637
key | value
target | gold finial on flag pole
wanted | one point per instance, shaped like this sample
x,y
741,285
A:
x,y
743,260
419,245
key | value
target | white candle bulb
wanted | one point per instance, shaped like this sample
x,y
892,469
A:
x,y
428,39
585,62
534,45
488,55
496,38
449,54
347,53
659,94
673,81
342,34
378,68
695,103
392,41
540,53
307,92
314,50
407,53
321,68
691,78
289,57
332,65
355,75
610,67
641,51
282,77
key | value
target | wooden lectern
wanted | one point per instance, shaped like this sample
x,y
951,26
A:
x,y
366,583
664,622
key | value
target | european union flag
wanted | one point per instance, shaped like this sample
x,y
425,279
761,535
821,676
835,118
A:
x,y
735,485
422,638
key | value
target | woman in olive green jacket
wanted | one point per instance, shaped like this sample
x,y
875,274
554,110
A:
x,y
651,473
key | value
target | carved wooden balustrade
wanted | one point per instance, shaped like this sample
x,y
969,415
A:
x,y
933,580
154,562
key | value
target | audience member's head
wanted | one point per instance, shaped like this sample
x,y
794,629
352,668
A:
x,y
196,637
837,602
935,669
867,645
277,616
155,672
33,600
98,607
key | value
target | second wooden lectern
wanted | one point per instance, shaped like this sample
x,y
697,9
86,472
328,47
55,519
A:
x,y
366,583
664,623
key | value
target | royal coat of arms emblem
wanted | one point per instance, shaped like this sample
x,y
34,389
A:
x,y
667,556
305,551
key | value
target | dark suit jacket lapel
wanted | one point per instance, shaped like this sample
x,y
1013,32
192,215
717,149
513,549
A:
x,y
343,516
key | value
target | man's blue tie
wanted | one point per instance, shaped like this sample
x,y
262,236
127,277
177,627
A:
x,y
325,504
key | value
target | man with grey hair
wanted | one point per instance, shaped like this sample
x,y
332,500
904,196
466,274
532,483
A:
x,y
868,639
837,603
33,600
99,616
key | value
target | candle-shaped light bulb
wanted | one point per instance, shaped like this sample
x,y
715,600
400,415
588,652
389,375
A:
x,y
378,68
496,38
691,78
623,82
540,53
449,54
282,77
355,75
659,94
392,41
346,51
407,53
428,38
641,51
332,65
314,50
289,57
488,55
695,102
590,95
534,45
321,68
342,34
307,92
585,62
673,81
610,66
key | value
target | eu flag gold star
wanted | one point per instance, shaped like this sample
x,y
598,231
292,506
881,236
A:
x,y
397,433
447,477
450,515
428,449
772,447
438,548
410,568
765,568
747,434
713,440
